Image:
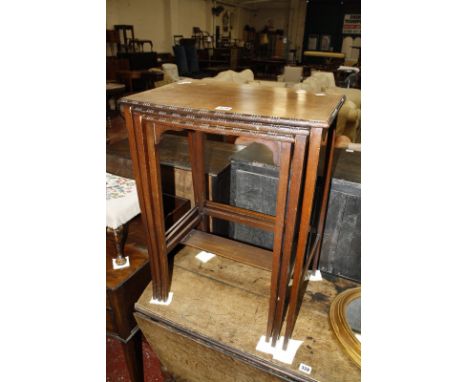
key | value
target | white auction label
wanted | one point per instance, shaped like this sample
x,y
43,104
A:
x,y
305,368
204,257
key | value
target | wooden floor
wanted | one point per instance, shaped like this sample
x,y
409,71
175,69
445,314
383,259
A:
x,y
220,308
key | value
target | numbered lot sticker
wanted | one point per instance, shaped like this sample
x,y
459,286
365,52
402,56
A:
x,y
305,368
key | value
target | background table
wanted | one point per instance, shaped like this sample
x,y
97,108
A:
x,y
146,77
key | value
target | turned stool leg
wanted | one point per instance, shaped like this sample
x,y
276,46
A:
x,y
120,237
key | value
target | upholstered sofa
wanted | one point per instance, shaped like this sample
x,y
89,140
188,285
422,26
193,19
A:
x,y
244,77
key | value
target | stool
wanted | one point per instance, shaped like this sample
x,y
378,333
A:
x,y
122,206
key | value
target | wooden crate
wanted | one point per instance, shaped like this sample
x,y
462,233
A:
x,y
219,309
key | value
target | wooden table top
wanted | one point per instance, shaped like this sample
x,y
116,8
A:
x,y
282,106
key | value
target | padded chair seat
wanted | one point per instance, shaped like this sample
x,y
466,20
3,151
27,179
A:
x,y
122,200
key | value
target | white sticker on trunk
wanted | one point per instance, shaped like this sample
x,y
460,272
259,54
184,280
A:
x,y
305,368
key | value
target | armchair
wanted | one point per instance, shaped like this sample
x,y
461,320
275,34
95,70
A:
x,y
291,75
349,116
243,77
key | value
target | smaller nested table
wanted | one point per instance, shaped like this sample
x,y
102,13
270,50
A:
x,y
302,123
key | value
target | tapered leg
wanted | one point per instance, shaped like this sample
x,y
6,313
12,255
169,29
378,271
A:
x,y
196,141
295,182
301,267
326,194
157,202
146,169
306,211
285,158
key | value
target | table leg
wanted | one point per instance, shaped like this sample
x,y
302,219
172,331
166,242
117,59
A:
x,y
297,166
146,169
326,194
196,140
304,227
285,158
157,203
315,246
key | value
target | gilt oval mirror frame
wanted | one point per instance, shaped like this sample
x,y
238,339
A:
x,y
340,325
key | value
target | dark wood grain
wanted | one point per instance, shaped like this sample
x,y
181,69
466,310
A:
x,y
133,124
197,159
326,194
309,192
285,158
295,185
240,215
255,103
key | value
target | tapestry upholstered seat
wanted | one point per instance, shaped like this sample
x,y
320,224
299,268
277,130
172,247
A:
x,y
121,206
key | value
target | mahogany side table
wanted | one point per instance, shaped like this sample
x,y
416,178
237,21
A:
x,y
302,122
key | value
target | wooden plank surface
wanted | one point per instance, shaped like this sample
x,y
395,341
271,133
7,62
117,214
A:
x,y
234,250
223,305
262,103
